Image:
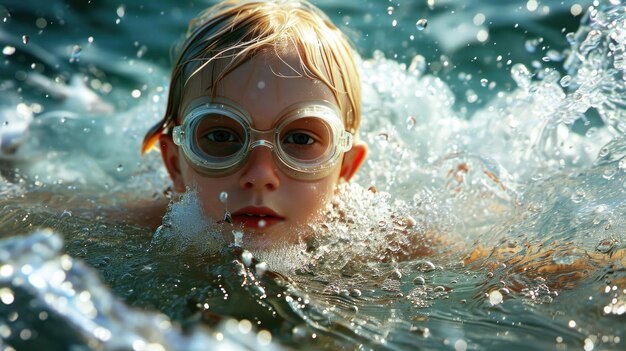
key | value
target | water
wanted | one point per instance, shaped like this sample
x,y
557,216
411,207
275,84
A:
x,y
489,214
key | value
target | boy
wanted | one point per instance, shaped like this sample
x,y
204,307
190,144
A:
x,y
262,116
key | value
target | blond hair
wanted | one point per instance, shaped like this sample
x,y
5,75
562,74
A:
x,y
239,30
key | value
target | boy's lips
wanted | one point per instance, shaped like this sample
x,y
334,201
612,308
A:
x,y
256,217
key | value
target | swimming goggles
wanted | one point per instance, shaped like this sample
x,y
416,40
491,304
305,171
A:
x,y
306,140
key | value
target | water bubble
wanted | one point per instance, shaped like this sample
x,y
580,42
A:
x,y
382,137
608,174
460,345
578,196
591,132
410,122
8,50
603,152
355,293
25,39
421,24
262,223
622,164
390,10
531,45
223,197
495,298
571,38
41,23
484,82
565,81
419,281
424,266
75,55
119,168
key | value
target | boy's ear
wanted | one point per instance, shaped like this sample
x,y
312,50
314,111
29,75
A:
x,y
352,160
171,159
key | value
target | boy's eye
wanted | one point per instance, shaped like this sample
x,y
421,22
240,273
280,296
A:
x,y
222,136
298,138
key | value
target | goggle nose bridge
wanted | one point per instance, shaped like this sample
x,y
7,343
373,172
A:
x,y
261,138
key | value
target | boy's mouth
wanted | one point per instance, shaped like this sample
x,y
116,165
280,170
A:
x,y
256,217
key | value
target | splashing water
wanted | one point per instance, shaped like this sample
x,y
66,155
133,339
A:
x,y
465,230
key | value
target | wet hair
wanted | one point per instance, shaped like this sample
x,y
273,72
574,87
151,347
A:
x,y
230,33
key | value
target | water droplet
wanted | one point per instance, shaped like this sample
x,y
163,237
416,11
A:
x,y
25,39
418,65
8,50
521,75
76,51
237,235
246,257
421,24
390,10
6,296
223,197
227,217
495,297
119,168
410,122
565,81
63,120
484,82
261,268
262,223
622,164
121,11
554,56
578,196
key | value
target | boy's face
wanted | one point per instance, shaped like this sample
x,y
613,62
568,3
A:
x,y
272,206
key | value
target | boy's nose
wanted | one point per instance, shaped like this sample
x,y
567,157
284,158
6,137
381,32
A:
x,y
260,171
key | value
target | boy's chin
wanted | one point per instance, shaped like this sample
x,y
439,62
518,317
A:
x,y
275,237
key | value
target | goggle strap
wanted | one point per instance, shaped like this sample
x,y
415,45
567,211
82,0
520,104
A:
x,y
347,139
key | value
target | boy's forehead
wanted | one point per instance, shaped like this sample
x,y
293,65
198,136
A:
x,y
263,85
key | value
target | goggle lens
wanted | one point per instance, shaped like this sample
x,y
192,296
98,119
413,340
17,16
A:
x,y
218,136
306,140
